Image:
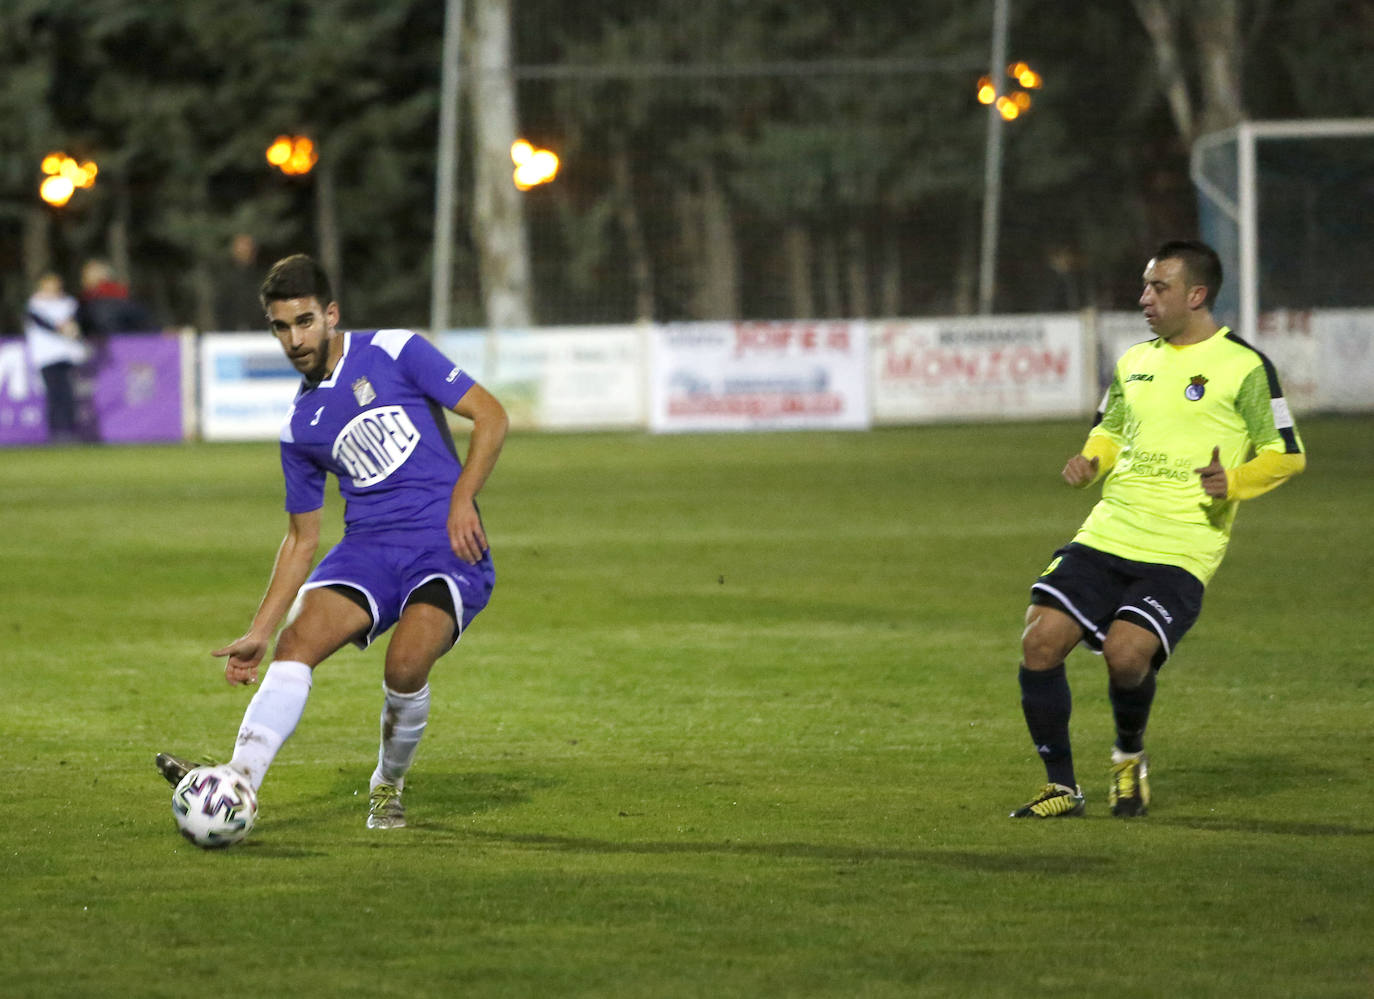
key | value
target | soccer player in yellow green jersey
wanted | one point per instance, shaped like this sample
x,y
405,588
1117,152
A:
x,y
1194,422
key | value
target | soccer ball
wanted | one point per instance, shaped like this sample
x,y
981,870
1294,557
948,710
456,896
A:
x,y
214,806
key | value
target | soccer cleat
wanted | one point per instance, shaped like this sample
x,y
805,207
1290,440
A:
x,y
173,768
384,808
1055,801
1129,793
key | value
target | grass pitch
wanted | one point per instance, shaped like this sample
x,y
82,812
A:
x,y
741,720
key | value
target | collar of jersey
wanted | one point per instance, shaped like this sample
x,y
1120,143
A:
x,y
1222,332
334,375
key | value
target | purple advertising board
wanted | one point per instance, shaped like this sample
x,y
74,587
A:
x,y
130,391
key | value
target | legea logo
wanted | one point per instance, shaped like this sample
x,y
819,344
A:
x,y
375,443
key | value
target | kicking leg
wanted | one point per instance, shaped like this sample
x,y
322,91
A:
x,y
328,620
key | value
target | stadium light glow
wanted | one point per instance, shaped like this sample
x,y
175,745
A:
x,y
56,191
63,176
293,155
1012,105
1024,75
533,166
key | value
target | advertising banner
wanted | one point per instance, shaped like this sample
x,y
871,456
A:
x,y
759,376
23,416
130,391
246,387
136,394
1345,360
558,378
993,367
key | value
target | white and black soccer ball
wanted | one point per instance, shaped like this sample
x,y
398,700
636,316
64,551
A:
x,y
214,806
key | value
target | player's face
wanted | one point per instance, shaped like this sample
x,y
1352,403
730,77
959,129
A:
x,y
1165,300
306,331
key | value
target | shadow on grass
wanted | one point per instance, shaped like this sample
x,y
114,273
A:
x,y
1269,827
1241,781
1049,865
442,797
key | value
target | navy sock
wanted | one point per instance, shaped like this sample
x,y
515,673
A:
x,y
1131,709
1047,704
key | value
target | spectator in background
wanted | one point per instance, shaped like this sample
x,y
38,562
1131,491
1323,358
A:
x,y
55,349
106,306
236,291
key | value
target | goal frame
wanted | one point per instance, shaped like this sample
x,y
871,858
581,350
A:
x,y
1243,210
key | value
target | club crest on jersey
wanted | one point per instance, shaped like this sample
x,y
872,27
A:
x,y
1197,388
363,391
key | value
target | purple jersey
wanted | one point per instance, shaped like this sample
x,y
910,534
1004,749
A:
x,y
378,424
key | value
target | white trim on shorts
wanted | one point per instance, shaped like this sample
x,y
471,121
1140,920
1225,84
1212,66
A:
x,y
1078,615
1159,631
454,595
315,584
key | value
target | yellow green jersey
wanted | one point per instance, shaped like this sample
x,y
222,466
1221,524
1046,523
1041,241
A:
x,y
1165,410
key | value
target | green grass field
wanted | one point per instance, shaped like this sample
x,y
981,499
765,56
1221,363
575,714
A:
x,y
741,720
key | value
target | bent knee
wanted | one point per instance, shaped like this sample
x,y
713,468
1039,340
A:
x,y
1127,664
1049,637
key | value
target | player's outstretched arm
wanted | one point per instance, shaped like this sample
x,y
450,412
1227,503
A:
x,y
489,426
291,569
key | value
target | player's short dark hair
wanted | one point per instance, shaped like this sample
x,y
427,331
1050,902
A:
x,y
296,276
1201,265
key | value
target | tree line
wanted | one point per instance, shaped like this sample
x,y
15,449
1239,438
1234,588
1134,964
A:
x,y
720,159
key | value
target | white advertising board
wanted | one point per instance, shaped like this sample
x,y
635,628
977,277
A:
x,y
1345,359
994,367
759,376
558,378
1324,357
246,387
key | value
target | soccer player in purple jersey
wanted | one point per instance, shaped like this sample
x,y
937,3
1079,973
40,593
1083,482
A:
x,y
370,411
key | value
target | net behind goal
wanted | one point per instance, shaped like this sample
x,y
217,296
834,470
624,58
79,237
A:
x,y
1289,206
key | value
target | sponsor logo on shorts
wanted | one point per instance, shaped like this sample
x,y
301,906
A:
x,y
376,443
1168,618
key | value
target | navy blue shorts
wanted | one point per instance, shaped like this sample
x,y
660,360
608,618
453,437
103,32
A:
x,y
386,575
1096,588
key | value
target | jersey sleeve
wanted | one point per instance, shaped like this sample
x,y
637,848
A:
x,y
304,480
1262,406
432,373
1110,419
1108,434
1279,453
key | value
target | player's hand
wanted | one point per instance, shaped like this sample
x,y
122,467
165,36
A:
x,y
465,533
1213,476
244,656
1080,471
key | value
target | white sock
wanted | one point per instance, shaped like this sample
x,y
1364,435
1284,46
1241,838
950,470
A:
x,y
404,717
271,717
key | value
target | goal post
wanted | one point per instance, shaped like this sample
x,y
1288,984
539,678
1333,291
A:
x,y
1300,184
